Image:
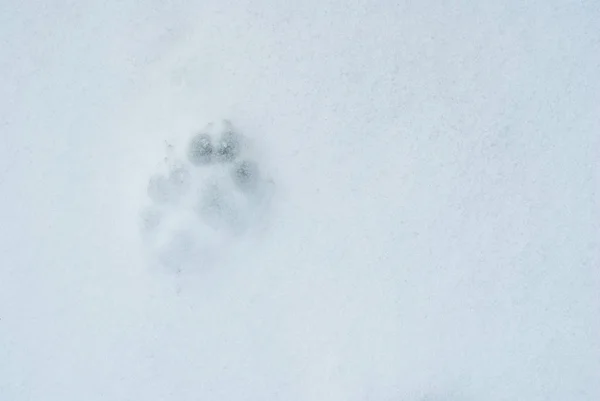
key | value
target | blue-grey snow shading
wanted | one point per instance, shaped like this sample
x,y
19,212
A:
x,y
435,230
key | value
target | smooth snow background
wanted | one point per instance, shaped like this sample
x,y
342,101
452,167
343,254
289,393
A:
x,y
436,227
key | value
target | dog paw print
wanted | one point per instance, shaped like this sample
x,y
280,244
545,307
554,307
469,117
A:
x,y
207,195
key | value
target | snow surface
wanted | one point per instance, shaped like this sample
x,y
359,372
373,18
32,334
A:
x,y
435,233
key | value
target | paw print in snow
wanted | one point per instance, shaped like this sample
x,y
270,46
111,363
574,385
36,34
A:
x,y
209,195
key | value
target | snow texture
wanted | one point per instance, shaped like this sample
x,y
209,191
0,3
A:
x,y
418,220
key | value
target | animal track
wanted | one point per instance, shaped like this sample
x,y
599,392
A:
x,y
209,194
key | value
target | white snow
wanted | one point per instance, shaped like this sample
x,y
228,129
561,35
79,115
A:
x,y
435,233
